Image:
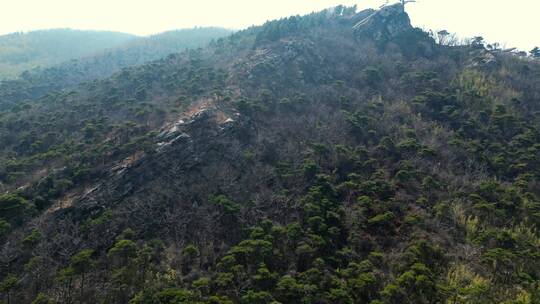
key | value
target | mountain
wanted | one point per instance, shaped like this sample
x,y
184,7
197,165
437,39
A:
x,y
133,53
338,157
24,51
38,82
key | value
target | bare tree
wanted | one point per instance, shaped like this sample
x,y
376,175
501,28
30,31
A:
x,y
404,2
441,36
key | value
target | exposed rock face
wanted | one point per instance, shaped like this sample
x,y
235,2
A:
x,y
185,145
384,24
200,155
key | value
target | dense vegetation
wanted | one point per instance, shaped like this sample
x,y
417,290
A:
x,y
308,160
23,51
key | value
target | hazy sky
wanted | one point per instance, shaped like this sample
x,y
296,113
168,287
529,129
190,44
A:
x,y
515,22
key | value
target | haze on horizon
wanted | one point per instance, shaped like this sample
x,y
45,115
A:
x,y
512,24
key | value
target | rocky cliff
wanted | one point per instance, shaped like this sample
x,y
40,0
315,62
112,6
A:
x,y
384,24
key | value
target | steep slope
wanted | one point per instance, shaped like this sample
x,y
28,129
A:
x,y
24,51
328,158
36,83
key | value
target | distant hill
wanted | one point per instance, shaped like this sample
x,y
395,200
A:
x,y
23,51
39,81
176,40
134,52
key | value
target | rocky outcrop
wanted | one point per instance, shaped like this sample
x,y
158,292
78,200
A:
x,y
384,24
361,15
482,58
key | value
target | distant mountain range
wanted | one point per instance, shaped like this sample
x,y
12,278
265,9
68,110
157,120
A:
x,y
22,51
96,53
35,83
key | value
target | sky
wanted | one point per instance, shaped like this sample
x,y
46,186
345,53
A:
x,y
511,23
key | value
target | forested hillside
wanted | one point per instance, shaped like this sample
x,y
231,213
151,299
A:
x,y
339,157
24,51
